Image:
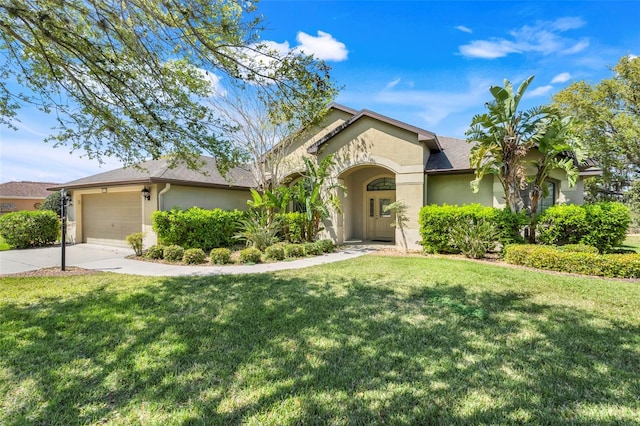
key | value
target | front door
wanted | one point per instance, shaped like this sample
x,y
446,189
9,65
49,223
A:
x,y
379,221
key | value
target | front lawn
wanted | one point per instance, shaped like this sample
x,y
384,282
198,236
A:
x,y
396,340
632,242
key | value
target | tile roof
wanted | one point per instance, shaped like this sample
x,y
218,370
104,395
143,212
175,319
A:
x,y
25,189
158,171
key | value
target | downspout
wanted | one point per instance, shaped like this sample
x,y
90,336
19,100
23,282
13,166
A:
x,y
161,196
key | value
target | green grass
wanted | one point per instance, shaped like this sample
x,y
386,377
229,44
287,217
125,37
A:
x,y
632,243
373,340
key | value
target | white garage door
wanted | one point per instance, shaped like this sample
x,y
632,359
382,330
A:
x,y
108,218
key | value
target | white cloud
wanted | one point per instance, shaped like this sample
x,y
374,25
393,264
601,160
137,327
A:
x,y
543,37
464,29
488,49
561,78
392,84
539,91
324,46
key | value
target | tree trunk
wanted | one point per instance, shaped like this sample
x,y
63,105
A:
x,y
512,196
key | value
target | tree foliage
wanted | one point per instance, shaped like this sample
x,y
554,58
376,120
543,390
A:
x,y
52,202
608,121
502,137
128,78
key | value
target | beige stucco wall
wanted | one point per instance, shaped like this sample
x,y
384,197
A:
x,y
205,198
455,189
365,150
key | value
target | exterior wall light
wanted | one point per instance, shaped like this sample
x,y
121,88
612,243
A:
x,y
146,194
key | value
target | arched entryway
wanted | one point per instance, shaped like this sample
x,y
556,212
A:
x,y
369,189
380,193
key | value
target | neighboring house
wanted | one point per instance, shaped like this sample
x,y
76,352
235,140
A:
x,y
378,159
23,195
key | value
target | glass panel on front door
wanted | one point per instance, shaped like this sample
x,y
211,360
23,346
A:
x,y
383,203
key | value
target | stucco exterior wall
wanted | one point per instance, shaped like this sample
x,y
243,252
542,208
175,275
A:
x,y
206,198
9,205
455,189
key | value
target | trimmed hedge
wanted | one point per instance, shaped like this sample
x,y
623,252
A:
x,y
173,253
250,255
220,256
545,257
294,250
602,225
436,223
155,252
25,229
196,227
274,252
194,256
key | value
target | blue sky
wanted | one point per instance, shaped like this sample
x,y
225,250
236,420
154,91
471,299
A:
x,y
427,63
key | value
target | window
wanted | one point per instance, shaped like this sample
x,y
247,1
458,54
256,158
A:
x,y
543,203
382,184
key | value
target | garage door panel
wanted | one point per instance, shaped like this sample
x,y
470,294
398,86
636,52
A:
x,y
109,218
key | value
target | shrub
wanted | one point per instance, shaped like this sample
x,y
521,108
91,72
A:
x,y
436,223
293,250
29,228
135,241
155,252
601,225
578,248
326,246
257,231
607,225
274,252
509,225
474,238
312,249
173,253
545,257
53,202
220,256
196,227
194,256
292,227
250,255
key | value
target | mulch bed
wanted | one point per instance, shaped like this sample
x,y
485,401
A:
x,y
53,272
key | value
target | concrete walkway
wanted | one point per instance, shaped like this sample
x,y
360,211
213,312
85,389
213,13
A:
x,y
113,259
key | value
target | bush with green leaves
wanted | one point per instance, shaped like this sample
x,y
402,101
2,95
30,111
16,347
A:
x,y
220,256
602,225
292,227
250,255
53,203
312,249
257,231
194,256
547,257
326,246
173,253
196,227
474,238
274,252
155,252
25,229
294,250
135,241
436,223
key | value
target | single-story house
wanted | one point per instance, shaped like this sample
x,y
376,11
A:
x,y
377,158
23,195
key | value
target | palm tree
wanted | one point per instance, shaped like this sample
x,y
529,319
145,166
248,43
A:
x,y
558,150
503,136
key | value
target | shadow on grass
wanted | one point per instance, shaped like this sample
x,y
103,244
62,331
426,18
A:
x,y
312,349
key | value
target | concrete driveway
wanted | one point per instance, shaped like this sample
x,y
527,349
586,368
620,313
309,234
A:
x,y
113,259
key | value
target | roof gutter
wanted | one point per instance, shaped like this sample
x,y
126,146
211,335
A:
x,y
161,196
